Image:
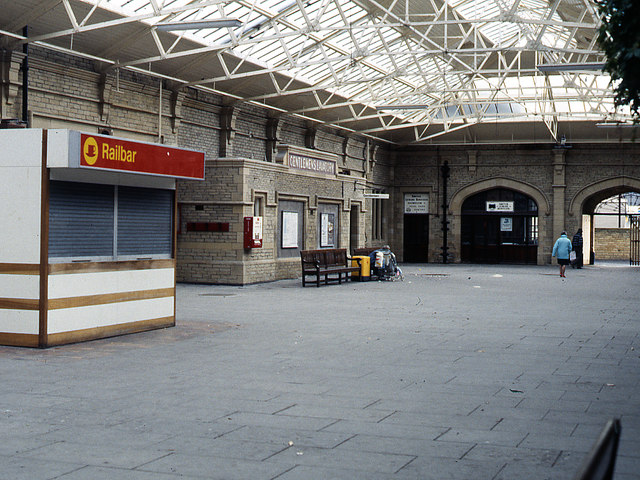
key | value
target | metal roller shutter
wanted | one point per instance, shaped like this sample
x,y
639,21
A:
x,y
80,220
144,221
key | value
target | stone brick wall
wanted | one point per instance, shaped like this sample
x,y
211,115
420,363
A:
x,y
559,177
227,195
69,92
611,244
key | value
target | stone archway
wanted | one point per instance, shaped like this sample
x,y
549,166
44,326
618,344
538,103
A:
x,y
460,195
597,191
583,204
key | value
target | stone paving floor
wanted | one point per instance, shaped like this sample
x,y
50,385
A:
x,y
457,372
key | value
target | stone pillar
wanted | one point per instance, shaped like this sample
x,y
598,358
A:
x,y
10,62
177,99
559,189
106,86
311,137
274,127
228,117
473,161
345,150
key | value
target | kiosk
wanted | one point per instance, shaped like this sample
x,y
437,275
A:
x,y
88,235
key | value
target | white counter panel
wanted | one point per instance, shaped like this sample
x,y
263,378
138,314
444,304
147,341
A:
x,y
20,214
96,283
19,321
80,318
21,147
20,286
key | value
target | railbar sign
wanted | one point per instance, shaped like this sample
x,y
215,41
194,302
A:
x,y
110,153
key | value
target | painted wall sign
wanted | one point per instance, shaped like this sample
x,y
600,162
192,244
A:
x,y
499,206
416,203
110,153
319,165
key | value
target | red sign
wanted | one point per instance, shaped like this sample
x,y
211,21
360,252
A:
x,y
104,152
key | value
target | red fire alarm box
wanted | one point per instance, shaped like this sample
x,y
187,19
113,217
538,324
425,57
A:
x,y
252,232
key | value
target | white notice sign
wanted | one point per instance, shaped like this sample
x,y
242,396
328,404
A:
x,y
499,206
506,224
416,203
289,230
326,229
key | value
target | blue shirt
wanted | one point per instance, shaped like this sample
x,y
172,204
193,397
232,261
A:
x,y
562,248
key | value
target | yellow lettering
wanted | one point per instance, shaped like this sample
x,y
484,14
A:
x,y
133,157
105,150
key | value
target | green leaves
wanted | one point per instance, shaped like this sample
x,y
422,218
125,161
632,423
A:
x,y
619,37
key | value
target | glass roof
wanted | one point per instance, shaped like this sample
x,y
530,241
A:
x,y
376,66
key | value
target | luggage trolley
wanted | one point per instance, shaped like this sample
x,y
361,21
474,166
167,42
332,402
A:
x,y
384,265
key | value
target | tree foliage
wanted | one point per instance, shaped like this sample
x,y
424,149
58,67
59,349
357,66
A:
x,y
619,37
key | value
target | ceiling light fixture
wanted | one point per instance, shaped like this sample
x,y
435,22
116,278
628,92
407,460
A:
x,y
616,125
569,67
199,24
403,107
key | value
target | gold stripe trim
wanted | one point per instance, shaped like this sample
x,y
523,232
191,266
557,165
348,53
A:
x,y
89,267
19,304
19,339
20,268
109,331
107,298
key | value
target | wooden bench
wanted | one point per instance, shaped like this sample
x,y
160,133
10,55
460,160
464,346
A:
x,y
326,263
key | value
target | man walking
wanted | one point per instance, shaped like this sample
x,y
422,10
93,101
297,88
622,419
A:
x,y
561,250
577,247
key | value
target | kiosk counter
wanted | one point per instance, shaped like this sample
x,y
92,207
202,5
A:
x,y
88,235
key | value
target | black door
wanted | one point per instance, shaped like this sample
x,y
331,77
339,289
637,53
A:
x,y
499,226
416,238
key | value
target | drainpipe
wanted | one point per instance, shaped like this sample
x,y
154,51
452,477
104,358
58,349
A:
x,y
445,223
25,77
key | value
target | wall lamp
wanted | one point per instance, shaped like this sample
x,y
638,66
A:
x,y
199,24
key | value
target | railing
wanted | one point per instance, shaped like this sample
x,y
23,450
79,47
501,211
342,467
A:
x,y
600,462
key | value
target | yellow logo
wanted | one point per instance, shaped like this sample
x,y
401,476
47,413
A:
x,y
90,151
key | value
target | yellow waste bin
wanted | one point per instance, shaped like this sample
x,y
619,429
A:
x,y
365,268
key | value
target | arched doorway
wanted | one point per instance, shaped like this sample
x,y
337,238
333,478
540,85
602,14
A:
x,y
613,226
605,210
499,225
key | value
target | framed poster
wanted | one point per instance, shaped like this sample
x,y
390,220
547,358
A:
x,y
289,229
327,230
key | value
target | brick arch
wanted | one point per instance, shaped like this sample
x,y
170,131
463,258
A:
x,y
613,185
455,205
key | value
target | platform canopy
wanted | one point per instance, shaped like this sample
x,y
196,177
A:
x,y
401,71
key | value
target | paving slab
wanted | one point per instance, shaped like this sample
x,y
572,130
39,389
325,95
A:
x,y
457,372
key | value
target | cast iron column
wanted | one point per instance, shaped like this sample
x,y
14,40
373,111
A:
x,y
445,223
25,78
